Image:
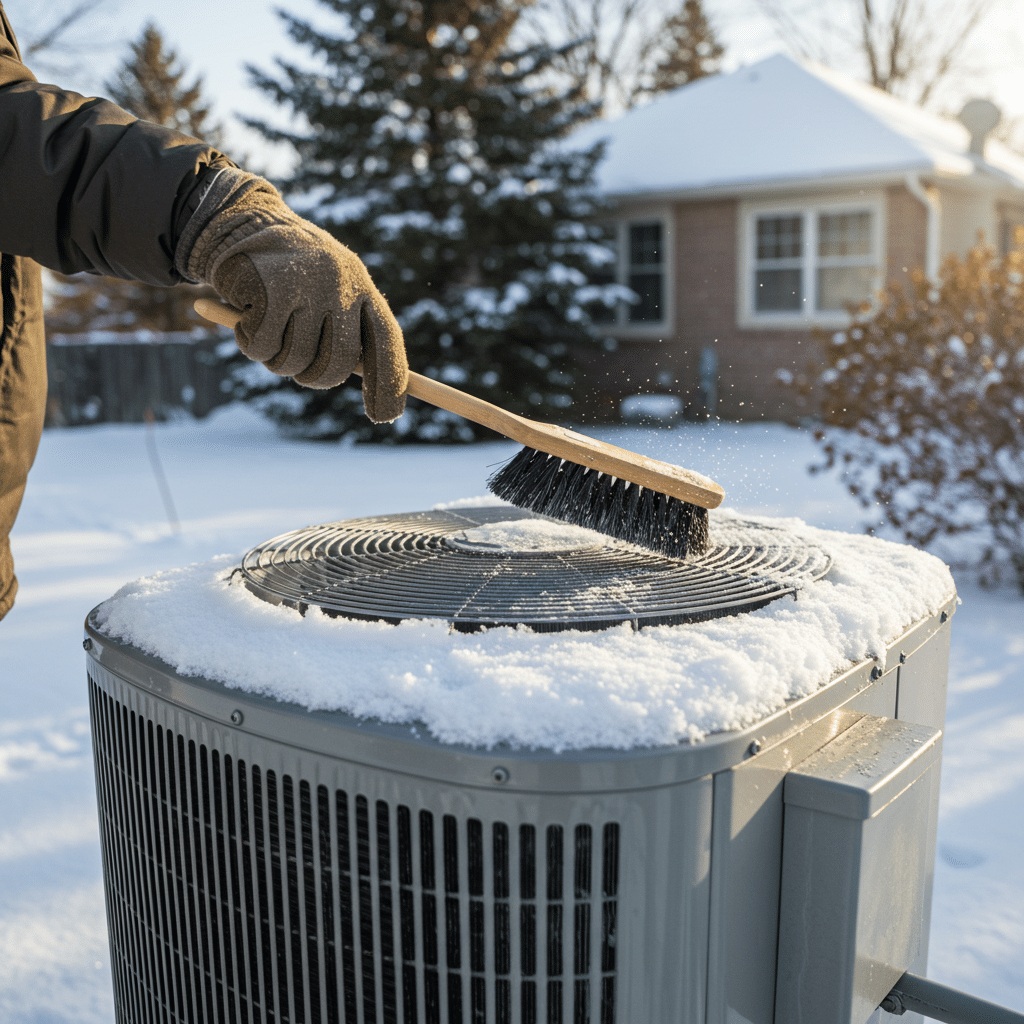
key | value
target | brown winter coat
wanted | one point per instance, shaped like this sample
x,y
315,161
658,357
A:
x,y
83,186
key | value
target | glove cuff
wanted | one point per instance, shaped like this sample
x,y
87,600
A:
x,y
225,188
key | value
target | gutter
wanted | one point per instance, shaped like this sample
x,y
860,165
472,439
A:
x,y
929,197
757,188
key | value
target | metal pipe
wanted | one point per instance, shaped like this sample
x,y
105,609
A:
x,y
930,198
940,1002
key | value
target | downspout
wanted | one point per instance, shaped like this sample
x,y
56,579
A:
x,y
929,198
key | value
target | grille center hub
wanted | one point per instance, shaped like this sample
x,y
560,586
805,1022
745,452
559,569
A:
x,y
524,538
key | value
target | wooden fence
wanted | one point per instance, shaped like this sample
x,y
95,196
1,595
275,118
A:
x,y
108,377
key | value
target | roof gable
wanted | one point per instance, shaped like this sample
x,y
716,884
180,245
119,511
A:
x,y
777,121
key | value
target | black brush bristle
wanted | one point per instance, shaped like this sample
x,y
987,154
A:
x,y
565,490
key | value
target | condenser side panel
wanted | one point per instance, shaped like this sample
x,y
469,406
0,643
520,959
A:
x,y
746,869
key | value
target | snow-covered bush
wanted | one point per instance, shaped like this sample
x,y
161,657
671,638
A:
x,y
929,390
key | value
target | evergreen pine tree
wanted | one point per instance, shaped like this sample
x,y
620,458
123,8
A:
x,y
691,49
151,85
431,152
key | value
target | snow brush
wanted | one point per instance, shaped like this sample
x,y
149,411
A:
x,y
571,477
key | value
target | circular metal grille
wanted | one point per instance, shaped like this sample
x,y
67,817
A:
x,y
422,565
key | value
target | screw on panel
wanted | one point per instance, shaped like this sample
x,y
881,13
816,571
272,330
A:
x,y
237,717
943,617
87,643
903,657
499,774
876,672
754,748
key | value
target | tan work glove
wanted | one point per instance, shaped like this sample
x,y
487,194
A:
x,y
310,310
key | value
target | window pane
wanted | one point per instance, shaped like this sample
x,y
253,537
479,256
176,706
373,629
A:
x,y
844,234
779,238
778,290
648,287
838,286
644,245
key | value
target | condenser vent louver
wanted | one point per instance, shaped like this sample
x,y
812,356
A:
x,y
291,885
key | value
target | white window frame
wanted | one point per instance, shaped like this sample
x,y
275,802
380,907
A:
x,y
747,314
621,326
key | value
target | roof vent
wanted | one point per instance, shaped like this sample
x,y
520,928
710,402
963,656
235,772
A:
x,y
979,117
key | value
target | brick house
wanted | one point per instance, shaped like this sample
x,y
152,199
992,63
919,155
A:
x,y
751,207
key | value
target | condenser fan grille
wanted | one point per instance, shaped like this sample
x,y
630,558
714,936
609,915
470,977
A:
x,y
418,565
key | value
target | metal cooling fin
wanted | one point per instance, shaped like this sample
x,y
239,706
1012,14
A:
x,y
428,565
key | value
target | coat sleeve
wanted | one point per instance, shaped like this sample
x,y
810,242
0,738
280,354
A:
x,y
84,185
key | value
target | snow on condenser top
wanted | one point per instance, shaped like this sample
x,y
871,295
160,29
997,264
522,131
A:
x,y
779,120
563,691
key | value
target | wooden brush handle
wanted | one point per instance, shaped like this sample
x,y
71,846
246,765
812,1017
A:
x,y
566,444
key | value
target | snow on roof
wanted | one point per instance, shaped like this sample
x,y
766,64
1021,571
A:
x,y
780,120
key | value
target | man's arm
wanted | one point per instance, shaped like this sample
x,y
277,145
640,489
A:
x,y
86,186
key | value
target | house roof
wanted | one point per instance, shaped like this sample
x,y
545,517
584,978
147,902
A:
x,y
781,122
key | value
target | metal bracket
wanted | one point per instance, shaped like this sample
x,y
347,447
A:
x,y
940,1002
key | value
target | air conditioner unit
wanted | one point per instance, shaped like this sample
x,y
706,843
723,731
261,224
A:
x,y
267,863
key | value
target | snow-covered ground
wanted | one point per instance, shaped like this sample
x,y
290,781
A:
x,y
93,519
